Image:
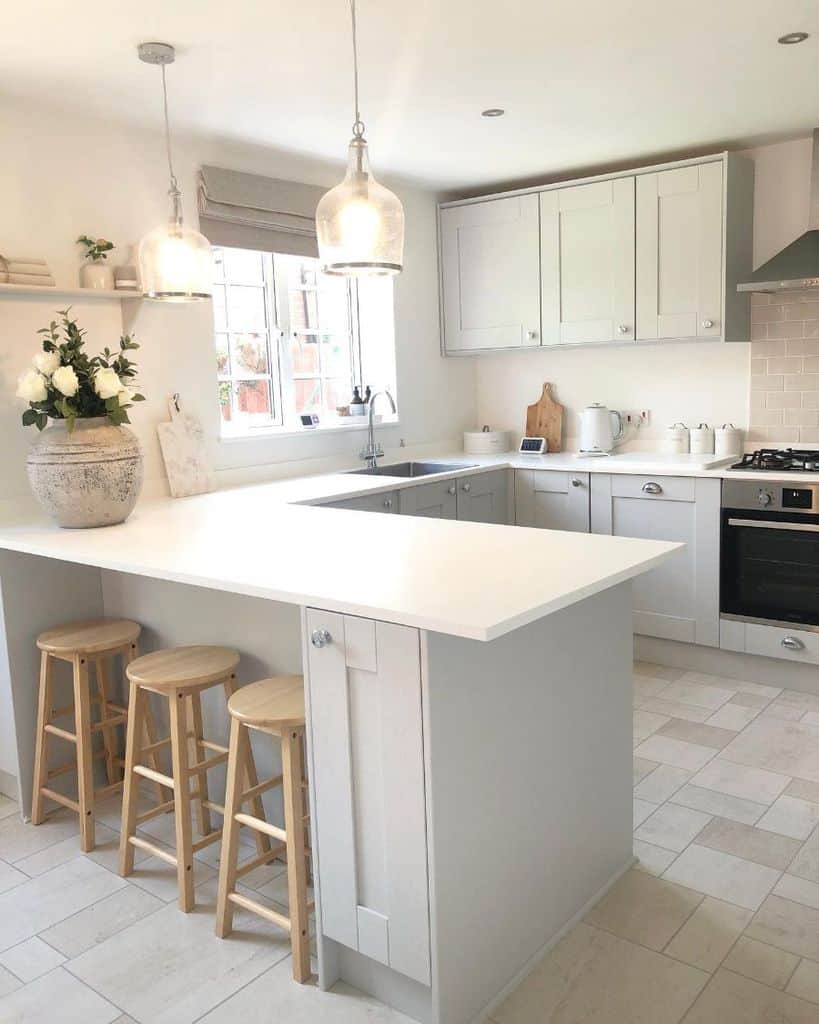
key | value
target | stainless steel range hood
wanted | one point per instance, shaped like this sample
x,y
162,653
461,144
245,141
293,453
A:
x,y
797,266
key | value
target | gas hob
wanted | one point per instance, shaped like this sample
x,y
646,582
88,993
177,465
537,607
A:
x,y
780,460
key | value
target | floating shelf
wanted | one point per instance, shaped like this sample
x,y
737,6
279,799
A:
x,y
99,294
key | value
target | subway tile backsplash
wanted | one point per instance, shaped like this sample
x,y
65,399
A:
x,y
785,368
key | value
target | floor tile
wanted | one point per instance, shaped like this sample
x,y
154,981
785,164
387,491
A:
x,y
31,959
686,692
105,853
811,718
662,783
645,687
677,753
790,748
277,891
757,689
594,976
20,838
36,1003
739,780
644,909
8,983
790,816
653,859
713,802
159,879
804,790
762,962
792,703
768,848
646,722
642,809
732,999
641,769
800,890
10,876
806,863
205,969
43,901
665,672
7,806
749,700
805,981
708,935
787,925
723,876
274,991
734,716
672,826
673,709
694,732
101,920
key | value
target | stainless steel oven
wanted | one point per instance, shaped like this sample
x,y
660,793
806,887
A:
x,y
769,561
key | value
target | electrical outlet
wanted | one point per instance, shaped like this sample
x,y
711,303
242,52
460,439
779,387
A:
x,y
636,417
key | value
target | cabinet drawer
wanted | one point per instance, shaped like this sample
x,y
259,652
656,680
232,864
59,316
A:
x,y
768,640
671,488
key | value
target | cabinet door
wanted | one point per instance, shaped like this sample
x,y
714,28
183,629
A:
x,y
491,274
383,502
552,500
587,262
484,497
679,600
368,783
679,253
436,500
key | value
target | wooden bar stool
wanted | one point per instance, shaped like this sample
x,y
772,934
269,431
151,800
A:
x,y
97,642
180,675
274,706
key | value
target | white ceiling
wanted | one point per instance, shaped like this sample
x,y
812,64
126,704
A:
x,y
584,84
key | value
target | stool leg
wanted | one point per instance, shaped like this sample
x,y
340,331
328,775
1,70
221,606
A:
x,y
296,867
239,742
137,699
148,725
85,764
182,800
252,779
198,753
41,750
108,738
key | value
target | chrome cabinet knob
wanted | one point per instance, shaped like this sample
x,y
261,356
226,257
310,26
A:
x,y
320,638
452,489
708,324
576,482
623,329
652,488
467,487
793,643
388,503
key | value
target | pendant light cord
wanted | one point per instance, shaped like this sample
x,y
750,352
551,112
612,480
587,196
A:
x,y
174,191
358,125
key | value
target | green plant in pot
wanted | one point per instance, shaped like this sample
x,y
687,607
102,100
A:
x,y
85,468
95,273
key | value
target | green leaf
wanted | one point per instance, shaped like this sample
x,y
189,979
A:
x,y
42,421
29,417
137,398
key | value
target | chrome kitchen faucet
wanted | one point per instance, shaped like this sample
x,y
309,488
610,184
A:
x,y
372,452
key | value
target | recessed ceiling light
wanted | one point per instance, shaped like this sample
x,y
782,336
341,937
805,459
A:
x,y
493,112
792,37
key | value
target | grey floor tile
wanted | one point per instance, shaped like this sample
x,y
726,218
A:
x,y
672,826
101,920
653,859
8,983
661,784
707,735
761,962
711,801
20,838
641,769
723,876
789,748
731,999
56,997
31,959
787,925
708,935
8,807
769,848
805,981
10,876
746,782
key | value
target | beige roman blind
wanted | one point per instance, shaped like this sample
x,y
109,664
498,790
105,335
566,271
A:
x,y
249,211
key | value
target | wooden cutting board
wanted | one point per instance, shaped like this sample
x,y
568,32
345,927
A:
x,y
185,453
545,419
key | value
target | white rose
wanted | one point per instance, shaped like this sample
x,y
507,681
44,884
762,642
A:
x,y
65,381
47,362
125,394
107,383
32,386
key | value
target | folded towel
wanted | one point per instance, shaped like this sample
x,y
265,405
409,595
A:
x,y
46,281
23,259
34,269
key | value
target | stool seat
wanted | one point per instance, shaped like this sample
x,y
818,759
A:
x,y
181,667
277,702
91,636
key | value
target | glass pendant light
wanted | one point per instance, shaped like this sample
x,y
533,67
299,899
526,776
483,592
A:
x,y
175,262
360,223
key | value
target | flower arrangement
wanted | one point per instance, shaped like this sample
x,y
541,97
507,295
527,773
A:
x,y
65,384
96,249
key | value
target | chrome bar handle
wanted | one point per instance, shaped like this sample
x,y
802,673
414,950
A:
x,y
793,643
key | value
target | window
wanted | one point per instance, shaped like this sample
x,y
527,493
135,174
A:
x,y
290,340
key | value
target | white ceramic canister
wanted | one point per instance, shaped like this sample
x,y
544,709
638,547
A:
x,y
701,440
676,439
727,440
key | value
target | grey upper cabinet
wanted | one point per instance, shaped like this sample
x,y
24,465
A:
x,y
680,599
438,500
484,497
552,500
382,502
490,274
587,262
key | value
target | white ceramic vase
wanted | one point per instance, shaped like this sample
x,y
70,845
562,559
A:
x,y
96,275
90,477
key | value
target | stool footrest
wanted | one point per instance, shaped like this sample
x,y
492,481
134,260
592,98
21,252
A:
x,y
261,826
113,787
60,798
260,909
210,745
212,837
154,776
262,787
154,812
158,745
62,733
67,767
260,860
208,763
156,851
105,723
211,806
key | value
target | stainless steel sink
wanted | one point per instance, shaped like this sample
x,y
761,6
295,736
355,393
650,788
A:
x,y
414,469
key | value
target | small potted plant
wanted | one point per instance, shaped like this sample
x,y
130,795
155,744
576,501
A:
x,y
85,468
95,273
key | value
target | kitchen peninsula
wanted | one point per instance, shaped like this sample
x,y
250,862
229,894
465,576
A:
x,y
460,825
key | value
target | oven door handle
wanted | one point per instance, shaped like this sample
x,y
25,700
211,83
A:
x,y
767,524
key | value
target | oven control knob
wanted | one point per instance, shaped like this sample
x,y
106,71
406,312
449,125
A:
x,y
764,498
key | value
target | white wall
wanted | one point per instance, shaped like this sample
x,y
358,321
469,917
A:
x,y
676,381
63,175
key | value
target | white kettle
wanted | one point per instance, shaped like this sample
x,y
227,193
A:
x,y
600,428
